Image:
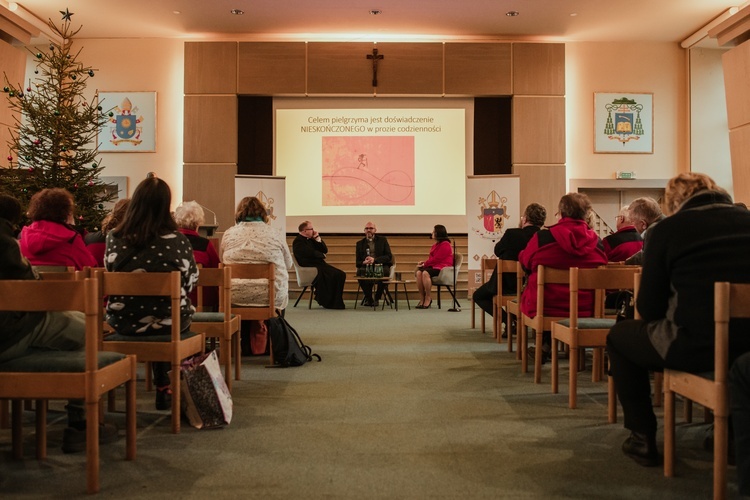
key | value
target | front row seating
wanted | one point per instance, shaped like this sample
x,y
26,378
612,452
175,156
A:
x,y
82,375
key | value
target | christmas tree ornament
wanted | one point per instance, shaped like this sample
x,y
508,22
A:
x,y
56,113
66,14
99,108
93,165
6,89
11,93
91,183
73,77
39,55
28,89
36,71
80,217
20,94
91,72
51,47
101,206
110,114
10,158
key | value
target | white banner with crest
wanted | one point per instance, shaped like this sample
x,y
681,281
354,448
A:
x,y
492,206
270,190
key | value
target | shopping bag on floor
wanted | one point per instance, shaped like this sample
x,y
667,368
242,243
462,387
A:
x,y
206,400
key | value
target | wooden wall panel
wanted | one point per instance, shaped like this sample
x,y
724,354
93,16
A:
x,y
478,69
739,149
13,64
211,185
538,130
410,68
339,68
210,133
543,184
271,68
736,64
539,69
210,67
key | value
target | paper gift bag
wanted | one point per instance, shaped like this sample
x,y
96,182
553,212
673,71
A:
x,y
206,399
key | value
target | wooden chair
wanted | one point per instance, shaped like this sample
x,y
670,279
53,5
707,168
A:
x,y
305,278
262,271
501,300
578,333
171,348
222,324
57,272
512,311
82,375
540,323
446,277
710,390
486,267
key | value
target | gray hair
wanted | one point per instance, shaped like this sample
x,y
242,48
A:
x,y
189,215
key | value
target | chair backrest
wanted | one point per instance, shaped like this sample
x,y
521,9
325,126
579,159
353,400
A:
x,y
599,280
220,278
265,270
505,266
305,275
487,265
636,288
145,284
548,275
458,260
54,269
731,300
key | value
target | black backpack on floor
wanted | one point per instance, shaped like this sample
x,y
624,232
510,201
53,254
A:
x,y
288,349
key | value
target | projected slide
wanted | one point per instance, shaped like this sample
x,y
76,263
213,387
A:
x,y
344,160
368,171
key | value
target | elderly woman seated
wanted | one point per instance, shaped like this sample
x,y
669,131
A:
x,y
189,217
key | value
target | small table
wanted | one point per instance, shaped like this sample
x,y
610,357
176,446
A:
x,y
360,279
395,284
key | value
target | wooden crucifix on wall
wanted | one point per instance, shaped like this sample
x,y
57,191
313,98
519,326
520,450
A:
x,y
375,58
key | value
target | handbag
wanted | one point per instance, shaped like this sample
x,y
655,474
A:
x,y
206,400
286,345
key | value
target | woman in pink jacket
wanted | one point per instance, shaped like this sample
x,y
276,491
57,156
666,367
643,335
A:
x,y
441,255
51,239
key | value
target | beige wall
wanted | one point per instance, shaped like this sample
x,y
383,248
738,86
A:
x,y
613,67
12,64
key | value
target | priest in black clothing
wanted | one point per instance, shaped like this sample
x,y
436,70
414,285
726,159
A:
x,y
310,251
510,245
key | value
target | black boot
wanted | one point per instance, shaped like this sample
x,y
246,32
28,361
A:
x,y
642,448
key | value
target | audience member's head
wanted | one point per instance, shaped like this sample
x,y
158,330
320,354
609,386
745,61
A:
x,y
251,209
535,215
575,206
189,215
113,219
683,186
644,212
740,204
147,215
623,218
10,209
441,234
51,204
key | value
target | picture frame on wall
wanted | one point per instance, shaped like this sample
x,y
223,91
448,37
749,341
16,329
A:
x,y
131,125
623,122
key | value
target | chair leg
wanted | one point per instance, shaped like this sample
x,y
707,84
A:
x,y
236,351
473,319
538,357
438,294
175,382
555,367
572,376
17,428
300,295
92,446
611,401
130,415
226,353
312,292
41,429
4,414
658,388
523,348
669,433
721,436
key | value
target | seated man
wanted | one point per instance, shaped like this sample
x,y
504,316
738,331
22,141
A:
x,y
24,331
310,251
644,213
510,245
373,249
626,241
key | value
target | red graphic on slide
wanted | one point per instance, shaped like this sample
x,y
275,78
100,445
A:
x,y
359,171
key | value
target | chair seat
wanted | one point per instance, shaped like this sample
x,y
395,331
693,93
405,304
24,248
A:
x,y
590,323
209,317
57,362
116,337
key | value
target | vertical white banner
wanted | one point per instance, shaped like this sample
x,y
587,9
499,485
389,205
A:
x,y
269,190
492,206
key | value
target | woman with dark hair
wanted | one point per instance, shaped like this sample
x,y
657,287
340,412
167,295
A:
x,y
147,240
441,255
51,239
96,242
253,240
569,243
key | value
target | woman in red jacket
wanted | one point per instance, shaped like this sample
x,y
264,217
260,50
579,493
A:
x,y
441,255
569,243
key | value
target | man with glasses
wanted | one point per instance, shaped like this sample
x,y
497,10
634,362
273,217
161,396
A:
x,y
310,251
626,241
373,249
645,213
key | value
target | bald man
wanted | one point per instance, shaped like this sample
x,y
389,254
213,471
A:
x,y
373,249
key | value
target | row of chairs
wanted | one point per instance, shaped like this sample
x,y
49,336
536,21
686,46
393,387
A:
x,y
707,389
109,361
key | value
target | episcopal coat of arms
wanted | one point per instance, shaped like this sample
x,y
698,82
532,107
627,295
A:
x,y
493,212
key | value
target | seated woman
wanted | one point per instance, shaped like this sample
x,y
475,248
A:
x,y
51,239
441,255
97,242
569,243
253,240
189,217
147,240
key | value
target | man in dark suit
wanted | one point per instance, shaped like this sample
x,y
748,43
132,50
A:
x,y
373,249
510,245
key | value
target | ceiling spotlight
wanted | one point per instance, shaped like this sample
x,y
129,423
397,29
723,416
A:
x,y
176,12
512,13
12,6
375,12
237,12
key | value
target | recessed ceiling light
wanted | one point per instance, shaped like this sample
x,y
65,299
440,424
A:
x,y
573,14
512,13
176,12
12,6
237,12
375,12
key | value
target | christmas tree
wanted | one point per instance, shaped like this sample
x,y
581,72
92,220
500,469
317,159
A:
x,y
54,142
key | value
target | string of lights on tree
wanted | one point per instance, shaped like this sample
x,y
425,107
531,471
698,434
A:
x,y
54,142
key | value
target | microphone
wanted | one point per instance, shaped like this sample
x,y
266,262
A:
x,y
210,211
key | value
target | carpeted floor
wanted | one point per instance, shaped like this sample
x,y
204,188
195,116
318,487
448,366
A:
x,y
409,404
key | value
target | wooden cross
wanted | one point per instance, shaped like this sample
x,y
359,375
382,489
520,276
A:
x,y
375,58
